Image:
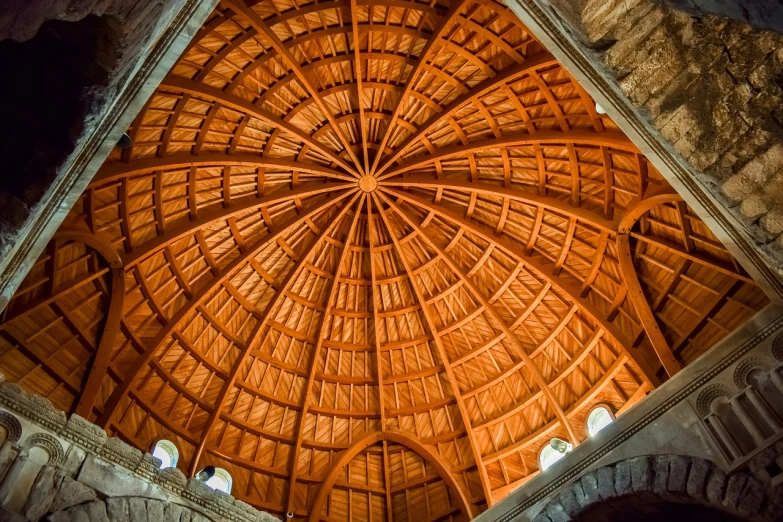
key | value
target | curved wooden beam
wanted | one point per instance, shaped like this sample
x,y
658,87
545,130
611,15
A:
x,y
260,25
510,74
509,334
180,161
530,198
450,17
544,270
430,324
311,372
220,212
141,361
392,435
542,137
186,86
254,339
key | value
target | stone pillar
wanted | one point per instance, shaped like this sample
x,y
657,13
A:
x,y
724,435
761,406
747,420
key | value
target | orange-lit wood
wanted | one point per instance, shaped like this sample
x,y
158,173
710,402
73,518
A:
x,y
369,257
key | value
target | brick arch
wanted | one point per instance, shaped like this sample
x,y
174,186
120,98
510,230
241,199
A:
x,y
664,479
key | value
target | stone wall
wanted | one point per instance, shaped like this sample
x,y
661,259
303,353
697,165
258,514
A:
x,y
711,85
75,73
66,469
723,412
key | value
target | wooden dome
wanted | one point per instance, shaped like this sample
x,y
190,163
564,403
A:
x,y
370,258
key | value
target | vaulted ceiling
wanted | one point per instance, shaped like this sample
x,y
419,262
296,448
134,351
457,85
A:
x,y
369,257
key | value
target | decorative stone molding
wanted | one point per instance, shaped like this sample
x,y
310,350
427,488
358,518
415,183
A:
x,y
709,394
84,433
90,475
744,368
777,348
12,426
50,444
37,409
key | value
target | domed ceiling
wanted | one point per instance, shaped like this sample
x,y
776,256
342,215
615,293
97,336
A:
x,y
370,258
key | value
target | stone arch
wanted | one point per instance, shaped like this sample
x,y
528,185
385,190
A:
x,y
709,394
671,479
12,427
744,369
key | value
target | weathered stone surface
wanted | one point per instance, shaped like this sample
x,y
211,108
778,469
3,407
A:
x,y
72,493
605,478
43,493
155,510
172,512
82,431
641,474
557,512
117,451
734,488
569,502
118,509
661,481
33,407
752,497
622,478
138,510
678,474
697,478
114,481
8,453
172,479
590,487
73,460
716,486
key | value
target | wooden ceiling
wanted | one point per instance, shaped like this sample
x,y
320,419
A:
x,y
369,257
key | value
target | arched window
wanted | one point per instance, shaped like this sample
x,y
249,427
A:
x,y
221,480
599,419
552,452
166,451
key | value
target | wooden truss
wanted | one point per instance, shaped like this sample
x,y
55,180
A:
x,y
369,257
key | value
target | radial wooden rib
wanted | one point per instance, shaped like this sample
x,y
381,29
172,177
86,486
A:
x,y
445,23
259,25
311,373
122,389
255,339
479,296
496,198
433,331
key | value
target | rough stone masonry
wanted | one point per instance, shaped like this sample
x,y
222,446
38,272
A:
x,y
711,85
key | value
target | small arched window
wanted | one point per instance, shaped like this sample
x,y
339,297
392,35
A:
x,y
599,419
552,452
221,479
166,451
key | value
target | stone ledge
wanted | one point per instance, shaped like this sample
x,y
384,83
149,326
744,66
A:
x,y
99,476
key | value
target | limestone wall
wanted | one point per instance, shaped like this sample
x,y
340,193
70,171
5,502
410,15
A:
x,y
66,469
711,85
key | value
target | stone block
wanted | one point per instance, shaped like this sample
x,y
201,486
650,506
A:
x,y
622,478
155,510
734,490
34,407
138,510
148,467
115,481
641,474
589,484
661,480
43,493
8,453
697,478
569,502
72,493
605,478
117,451
716,486
678,473
118,509
73,460
85,433
172,479
171,512
752,498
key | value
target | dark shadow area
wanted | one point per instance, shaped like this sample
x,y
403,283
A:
x,y
760,14
48,85
648,508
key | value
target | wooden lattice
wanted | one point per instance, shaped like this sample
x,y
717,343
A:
x,y
369,257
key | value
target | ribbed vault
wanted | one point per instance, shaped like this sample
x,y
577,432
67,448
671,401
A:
x,y
369,257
